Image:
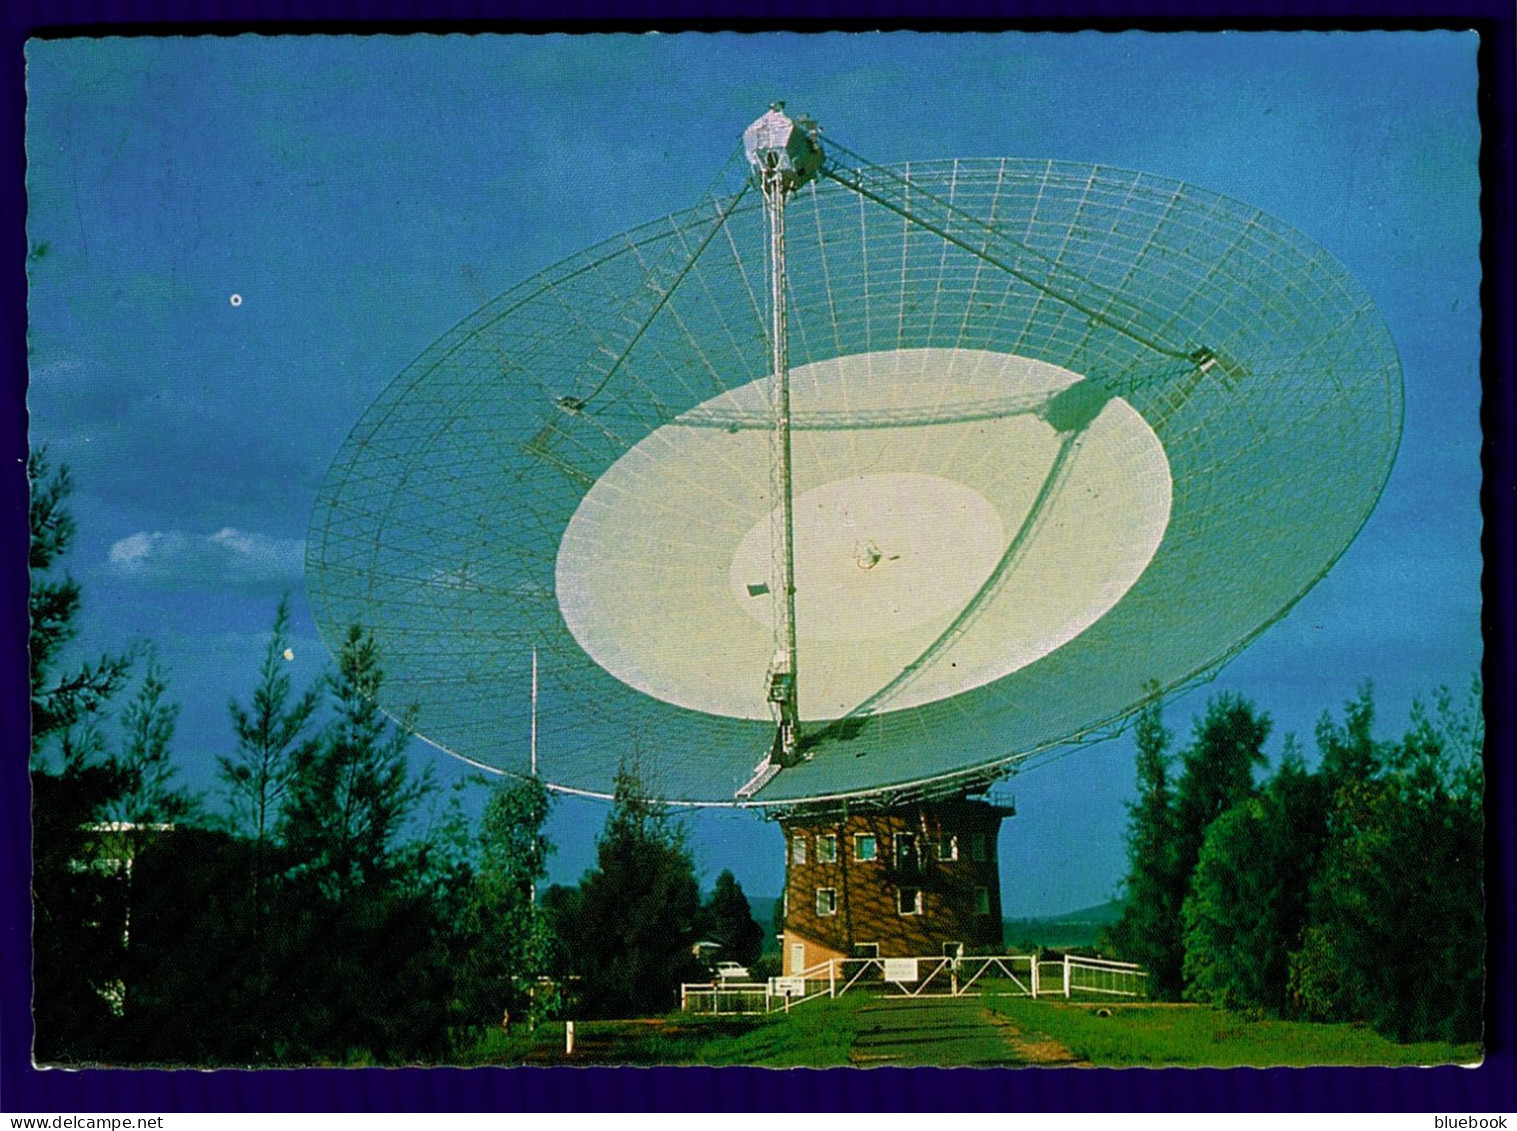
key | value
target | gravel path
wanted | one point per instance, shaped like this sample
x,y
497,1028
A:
x,y
947,1032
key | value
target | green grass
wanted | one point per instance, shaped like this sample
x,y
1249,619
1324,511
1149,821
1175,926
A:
x,y
1199,1036
817,1034
822,1033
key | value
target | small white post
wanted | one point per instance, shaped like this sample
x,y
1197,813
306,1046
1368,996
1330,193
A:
x,y
568,1038
1034,961
1066,975
832,977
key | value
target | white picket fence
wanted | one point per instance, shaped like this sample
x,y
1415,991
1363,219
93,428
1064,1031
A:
x,y
1015,975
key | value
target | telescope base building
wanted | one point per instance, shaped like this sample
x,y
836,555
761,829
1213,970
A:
x,y
914,880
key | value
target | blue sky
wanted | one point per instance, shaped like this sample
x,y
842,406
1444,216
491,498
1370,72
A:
x,y
362,195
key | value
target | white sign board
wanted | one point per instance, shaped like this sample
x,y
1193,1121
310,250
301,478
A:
x,y
787,987
900,969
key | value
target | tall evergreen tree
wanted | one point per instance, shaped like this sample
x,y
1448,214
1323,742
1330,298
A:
x,y
1349,753
1350,758
1149,930
64,698
78,912
350,793
272,734
638,909
728,919
1250,895
145,762
359,942
1217,772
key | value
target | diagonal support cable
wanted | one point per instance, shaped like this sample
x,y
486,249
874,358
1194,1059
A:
x,y
575,404
887,188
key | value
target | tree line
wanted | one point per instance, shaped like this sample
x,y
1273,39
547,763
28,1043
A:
x,y
327,904
1351,891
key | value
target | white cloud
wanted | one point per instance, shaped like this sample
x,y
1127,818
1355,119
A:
x,y
227,557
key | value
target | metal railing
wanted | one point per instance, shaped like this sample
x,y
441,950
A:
x,y
1009,975
1103,977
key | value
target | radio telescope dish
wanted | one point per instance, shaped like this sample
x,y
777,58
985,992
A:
x,y
1058,438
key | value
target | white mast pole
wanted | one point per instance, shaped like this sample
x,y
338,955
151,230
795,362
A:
x,y
534,712
775,191
784,154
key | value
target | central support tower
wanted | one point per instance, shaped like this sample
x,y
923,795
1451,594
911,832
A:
x,y
784,154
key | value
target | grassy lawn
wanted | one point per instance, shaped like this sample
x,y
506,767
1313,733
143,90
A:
x,y
822,1033
1198,1036
818,1034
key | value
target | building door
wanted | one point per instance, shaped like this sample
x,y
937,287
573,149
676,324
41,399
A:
x,y
797,957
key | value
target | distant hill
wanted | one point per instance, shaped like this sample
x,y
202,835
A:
x,y
1073,928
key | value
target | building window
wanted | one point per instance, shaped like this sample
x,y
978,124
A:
x,y
906,850
827,849
865,847
948,848
953,950
826,901
977,848
866,950
798,849
908,901
982,901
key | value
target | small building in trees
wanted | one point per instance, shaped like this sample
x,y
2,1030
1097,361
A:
x,y
897,882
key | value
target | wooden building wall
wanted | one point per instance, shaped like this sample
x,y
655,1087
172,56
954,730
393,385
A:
x,y
933,880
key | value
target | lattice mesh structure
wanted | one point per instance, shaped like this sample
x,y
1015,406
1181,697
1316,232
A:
x,y
1258,363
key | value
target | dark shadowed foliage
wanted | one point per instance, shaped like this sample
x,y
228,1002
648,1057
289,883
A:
x,y
728,919
506,941
1397,934
638,911
1249,898
1148,932
351,793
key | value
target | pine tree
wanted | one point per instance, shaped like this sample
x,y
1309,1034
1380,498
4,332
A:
x,y
272,737
66,702
1349,753
1249,899
1217,772
381,986
145,763
1149,931
638,909
350,793
78,913
728,919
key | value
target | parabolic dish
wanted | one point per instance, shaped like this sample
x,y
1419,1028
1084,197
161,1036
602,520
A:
x,y
1062,435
